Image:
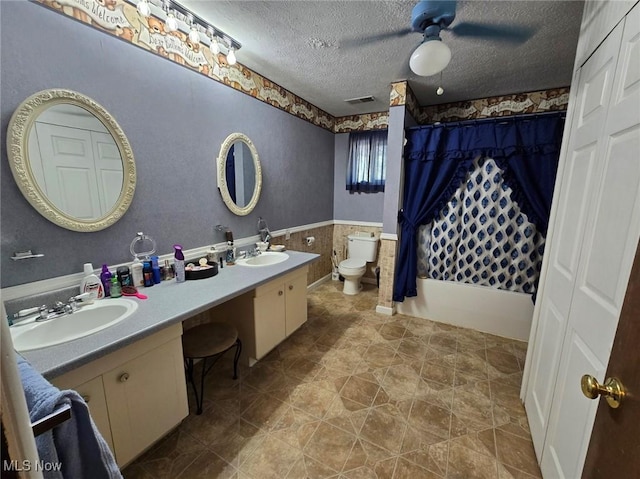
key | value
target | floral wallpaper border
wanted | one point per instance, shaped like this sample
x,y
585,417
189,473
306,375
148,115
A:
x,y
555,99
121,19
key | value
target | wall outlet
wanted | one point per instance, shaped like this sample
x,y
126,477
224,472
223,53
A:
x,y
287,234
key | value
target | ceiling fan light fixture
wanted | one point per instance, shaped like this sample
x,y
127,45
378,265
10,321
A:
x,y
431,57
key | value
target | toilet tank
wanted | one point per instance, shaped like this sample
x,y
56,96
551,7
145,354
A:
x,y
362,246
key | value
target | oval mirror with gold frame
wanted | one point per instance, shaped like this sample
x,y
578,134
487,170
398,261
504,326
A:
x,y
71,160
239,174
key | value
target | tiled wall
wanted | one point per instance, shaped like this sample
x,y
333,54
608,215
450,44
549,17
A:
x,y
323,246
387,261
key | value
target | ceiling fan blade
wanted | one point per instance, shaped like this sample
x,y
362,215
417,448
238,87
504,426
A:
x,y
504,33
361,41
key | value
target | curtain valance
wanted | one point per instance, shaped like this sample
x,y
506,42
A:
x,y
499,138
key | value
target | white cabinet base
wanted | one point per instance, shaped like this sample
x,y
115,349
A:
x,y
137,394
267,315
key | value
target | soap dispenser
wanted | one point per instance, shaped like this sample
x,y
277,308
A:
x,y
231,256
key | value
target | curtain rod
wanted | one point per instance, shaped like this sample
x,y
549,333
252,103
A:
x,y
505,118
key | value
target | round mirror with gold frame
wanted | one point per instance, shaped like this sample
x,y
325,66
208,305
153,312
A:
x,y
71,160
239,174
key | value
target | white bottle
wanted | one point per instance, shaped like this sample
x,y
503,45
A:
x,y
91,283
136,273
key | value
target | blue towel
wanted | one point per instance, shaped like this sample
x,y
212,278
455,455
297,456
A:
x,y
76,444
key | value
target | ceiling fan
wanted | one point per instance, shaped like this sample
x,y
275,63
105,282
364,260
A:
x,y
430,17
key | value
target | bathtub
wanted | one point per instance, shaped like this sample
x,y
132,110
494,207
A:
x,y
494,311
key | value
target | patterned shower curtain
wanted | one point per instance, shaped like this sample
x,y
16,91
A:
x,y
482,237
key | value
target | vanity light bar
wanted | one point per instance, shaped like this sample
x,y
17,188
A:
x,y
189,19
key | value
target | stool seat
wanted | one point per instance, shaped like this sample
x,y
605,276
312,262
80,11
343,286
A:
x,y
208,339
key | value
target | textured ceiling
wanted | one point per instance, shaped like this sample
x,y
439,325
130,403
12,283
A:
x,y
325,51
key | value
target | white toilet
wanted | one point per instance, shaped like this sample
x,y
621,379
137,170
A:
x,y
361,248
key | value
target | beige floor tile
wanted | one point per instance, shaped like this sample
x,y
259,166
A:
x,y
355,394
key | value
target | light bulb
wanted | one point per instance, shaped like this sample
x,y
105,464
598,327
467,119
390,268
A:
x,y
231,57
431,57
439,91
171,23
215,46
144,8
194,35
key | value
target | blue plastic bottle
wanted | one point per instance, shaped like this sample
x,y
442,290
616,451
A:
x,y
157,277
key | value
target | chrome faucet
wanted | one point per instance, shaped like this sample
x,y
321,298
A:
x,y
45,313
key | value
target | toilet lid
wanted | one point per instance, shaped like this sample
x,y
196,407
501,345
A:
x,y
353,263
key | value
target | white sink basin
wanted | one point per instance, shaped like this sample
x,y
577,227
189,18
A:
x,y
264,259
29,334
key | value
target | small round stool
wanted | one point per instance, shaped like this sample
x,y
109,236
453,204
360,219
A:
x,y
210,340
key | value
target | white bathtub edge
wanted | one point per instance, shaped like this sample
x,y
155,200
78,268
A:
x,y
503,313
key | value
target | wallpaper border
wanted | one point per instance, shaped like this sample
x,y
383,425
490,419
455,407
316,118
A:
x,y
121,19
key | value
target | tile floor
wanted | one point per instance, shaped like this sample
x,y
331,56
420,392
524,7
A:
x,y
355,394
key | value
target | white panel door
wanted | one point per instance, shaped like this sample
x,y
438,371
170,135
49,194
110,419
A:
x,y
604,254
580,176
69,170
108,164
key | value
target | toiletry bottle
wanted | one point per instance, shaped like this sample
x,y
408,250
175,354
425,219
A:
x,y
124,276
168,270
136,273
155,267
105,279
116,290
91,283
147,272
212,255
231,259
178,263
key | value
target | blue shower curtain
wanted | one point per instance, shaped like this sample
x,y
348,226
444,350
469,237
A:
x,y
438,158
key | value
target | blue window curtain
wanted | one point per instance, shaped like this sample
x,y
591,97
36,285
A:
x,y
367,161
438,158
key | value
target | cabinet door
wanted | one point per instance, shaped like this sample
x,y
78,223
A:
x,y
296,303
93,394
147,397
269,314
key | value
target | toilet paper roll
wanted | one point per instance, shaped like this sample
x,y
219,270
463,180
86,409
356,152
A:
x,y
310,240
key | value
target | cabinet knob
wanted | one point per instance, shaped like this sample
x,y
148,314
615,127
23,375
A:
x,y
124,377
280,293
290,287
86,398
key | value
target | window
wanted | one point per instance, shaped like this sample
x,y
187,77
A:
x,y
367,161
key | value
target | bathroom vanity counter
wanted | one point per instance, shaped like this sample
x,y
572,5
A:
x,y
168,303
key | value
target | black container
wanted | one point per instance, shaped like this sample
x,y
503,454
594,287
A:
x,y
124,276
201,273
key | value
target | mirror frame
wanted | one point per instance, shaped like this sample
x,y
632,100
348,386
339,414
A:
x,y
222,177
18,132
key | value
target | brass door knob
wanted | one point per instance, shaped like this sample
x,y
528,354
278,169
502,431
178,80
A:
x,y
612,389
124,377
